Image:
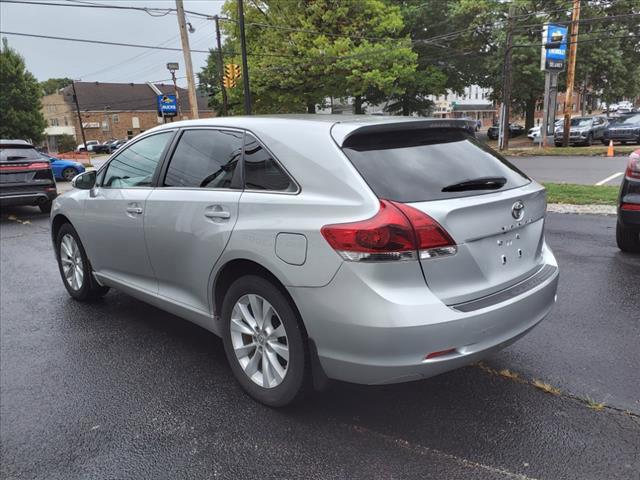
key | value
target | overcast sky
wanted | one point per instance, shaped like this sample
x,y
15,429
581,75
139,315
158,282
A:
x,y
106,63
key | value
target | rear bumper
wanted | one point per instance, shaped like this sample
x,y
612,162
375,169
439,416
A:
x,y
32,198
629,219
376,333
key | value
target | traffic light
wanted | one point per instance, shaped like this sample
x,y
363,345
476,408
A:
x,y
232,73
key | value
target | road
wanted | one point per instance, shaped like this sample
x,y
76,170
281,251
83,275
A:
x,y
573,169
120,389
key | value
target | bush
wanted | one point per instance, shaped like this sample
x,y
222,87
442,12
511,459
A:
x,y
66,143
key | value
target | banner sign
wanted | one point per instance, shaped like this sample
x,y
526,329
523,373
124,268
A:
x,y
167,105
554,47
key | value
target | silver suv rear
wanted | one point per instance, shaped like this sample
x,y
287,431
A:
x,y
366,249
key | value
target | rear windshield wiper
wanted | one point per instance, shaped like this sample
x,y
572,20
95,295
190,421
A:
x,y
482,183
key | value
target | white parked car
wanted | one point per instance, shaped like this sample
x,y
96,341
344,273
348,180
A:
x,y
88,147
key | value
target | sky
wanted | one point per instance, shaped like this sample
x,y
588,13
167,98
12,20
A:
x,y
47,58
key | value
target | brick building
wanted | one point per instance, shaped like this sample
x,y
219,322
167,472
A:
x,y
110,110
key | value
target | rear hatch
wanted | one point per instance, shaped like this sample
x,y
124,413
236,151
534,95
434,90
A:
x,y
24,170
493,211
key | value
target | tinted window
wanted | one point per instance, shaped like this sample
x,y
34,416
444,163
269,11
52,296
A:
x,y
416,165
261,171
630,120
205,159
10,154
134,167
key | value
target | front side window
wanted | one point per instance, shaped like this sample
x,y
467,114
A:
x,y
135,166
205,159
261,171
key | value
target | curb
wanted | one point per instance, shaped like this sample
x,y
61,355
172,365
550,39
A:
x,y
591,209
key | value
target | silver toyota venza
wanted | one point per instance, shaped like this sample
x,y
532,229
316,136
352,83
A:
x,y
366,249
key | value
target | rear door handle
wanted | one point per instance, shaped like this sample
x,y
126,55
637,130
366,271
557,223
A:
x,y
136,210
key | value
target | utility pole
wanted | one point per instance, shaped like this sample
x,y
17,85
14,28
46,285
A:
x,y
571,71
75,99
193,100
245,66
221,67
503,140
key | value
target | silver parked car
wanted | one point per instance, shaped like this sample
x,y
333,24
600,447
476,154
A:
x,y
365,249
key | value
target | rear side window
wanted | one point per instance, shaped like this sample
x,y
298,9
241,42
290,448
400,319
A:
x,y
205,159
417,165
261,171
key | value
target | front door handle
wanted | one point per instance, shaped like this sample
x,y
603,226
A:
x,y
217,214
136,210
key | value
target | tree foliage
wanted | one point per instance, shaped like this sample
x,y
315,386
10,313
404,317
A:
x,y
397,53
20,94
52,85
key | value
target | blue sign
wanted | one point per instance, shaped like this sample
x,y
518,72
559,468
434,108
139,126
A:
x,y
554,46
167,105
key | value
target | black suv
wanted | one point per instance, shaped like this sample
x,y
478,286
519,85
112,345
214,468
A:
x,y
628,227
514,130
25,176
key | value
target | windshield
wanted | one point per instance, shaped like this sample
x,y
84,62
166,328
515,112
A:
x,y
581,122
631,120
10,154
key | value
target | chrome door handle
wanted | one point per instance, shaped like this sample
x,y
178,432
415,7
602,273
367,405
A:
x,y
137,210
217,214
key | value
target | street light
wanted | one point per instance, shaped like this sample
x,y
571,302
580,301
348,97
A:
x,y
172,67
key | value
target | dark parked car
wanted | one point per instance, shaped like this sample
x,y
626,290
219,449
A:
x,y
582,131
102,148
514,130
628,226
624,129
26,177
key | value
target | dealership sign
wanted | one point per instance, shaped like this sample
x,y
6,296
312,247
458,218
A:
x,y
554,47
167,105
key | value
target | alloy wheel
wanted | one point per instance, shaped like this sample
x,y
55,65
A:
x,y
259,341
71,260
68,174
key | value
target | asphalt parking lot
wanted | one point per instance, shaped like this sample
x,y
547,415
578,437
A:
x,y
120,389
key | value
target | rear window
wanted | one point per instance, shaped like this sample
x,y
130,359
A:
x,y
416,165
8,154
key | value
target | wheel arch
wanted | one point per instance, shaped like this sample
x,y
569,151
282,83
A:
x,y
56,223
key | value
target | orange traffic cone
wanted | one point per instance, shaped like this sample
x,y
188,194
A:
x,y
610,149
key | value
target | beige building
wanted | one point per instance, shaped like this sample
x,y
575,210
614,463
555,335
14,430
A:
x,y
110,110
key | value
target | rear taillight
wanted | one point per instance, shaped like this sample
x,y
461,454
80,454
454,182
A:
x,y
633,167
630,207
25,167
396,232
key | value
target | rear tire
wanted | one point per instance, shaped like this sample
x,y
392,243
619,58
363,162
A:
x,y
74,266
45,207
627,240
245,339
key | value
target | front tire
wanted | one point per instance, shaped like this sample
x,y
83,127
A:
x,y
589,141
74,266
265,342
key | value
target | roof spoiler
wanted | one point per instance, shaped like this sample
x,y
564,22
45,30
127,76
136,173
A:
x,y
342,131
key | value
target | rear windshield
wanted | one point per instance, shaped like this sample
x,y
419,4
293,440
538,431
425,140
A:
x,y
415,166
8,154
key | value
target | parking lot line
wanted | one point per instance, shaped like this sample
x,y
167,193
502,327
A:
x,y
609,178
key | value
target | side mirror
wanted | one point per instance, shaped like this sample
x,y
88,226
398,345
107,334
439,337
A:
x,y
85,181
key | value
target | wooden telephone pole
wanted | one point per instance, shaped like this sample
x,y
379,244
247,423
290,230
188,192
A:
x,y
182,23
503,140
221,67
571,71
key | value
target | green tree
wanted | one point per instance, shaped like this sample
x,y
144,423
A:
x,y
52,85
300,53
20,94
66,143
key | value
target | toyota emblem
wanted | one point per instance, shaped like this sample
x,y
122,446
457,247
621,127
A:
x,y
517,210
